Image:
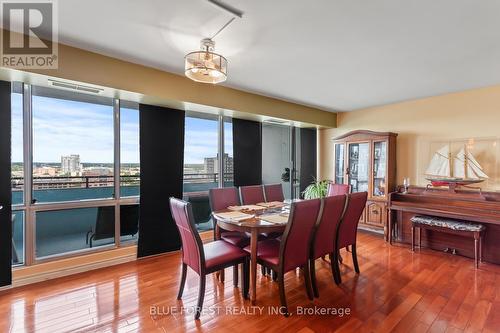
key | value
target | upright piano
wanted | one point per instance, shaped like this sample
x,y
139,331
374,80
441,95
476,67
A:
x,y
461,204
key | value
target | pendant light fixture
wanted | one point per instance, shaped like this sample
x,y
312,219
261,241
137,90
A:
x,y
205,65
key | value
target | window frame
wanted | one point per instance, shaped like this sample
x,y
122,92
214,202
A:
x,y
30,209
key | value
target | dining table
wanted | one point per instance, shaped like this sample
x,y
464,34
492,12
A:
x,y
261,219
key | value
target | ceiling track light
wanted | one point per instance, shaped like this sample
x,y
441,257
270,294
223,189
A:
x,y
205,65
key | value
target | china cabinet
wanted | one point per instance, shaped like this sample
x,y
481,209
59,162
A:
x,y
366,160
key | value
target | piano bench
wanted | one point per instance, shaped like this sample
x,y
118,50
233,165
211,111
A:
x,y
450,226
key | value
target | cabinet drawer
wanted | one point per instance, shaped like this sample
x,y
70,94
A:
x,y
375,213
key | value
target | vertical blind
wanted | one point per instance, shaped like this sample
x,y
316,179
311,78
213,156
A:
x,y
6,244
247,151
162,159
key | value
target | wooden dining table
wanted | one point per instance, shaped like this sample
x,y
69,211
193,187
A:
x,y
255,225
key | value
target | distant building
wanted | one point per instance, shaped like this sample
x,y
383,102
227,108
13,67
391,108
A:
x,y
45,171
211,164
71,165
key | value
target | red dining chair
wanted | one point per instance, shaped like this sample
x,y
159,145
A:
x,y
294,248
273,192
324,234
204,258
337,189
348,230
221,198
250,195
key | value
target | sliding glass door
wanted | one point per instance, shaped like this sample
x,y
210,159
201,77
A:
x,y
277,165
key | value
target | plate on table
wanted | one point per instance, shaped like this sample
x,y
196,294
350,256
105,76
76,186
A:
x,y
272,204
275,218
233,216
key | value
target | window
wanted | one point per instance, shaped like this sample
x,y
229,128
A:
x,y
129,149
17,237
129,171
63,231
201,168
72,146
228,153
17,165
17,174
66,200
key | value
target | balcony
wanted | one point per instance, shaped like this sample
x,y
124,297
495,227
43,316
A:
x,y
65,230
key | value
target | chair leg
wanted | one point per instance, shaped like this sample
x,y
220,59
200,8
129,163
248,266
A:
x,y
263,270
222,275
419,238
476,251
307,281
235,275
334,262
281,283
201,296
355,258
183,281
245,279
274,275
413,238
480,248
339,256
313,277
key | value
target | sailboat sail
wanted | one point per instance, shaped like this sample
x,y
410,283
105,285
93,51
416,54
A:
x,y
463,169
440,163
474,167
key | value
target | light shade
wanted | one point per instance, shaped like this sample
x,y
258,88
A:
x,y
205,65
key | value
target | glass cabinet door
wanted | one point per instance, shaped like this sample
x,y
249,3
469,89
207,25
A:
x,y
339,163
359,165
379,169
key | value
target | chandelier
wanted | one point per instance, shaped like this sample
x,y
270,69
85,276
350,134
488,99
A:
x,y
205,65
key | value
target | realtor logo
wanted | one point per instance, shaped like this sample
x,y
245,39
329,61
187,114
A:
x,y
29,36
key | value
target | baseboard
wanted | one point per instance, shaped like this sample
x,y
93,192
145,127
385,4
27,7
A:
x,y
69,266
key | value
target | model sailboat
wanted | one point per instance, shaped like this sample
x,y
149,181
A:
x,y
463,169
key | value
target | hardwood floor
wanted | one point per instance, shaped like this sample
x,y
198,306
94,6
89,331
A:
x,y
397,291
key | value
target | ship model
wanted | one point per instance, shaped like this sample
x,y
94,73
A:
x,y
461,170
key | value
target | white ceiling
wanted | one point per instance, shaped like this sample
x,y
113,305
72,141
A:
x,y
337,55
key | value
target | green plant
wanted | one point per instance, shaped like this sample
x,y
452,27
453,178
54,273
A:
x,y
317,189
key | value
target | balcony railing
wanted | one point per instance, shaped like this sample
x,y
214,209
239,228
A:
x,y
62,182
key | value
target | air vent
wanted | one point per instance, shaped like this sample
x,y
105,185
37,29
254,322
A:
x,y
276,121
75,87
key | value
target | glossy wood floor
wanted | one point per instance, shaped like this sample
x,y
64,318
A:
x,y
397,291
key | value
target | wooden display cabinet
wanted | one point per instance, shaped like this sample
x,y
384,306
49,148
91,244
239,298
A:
x,y
366,160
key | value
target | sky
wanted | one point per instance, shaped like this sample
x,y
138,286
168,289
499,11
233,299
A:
x,y
62,127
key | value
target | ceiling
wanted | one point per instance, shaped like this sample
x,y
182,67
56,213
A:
x,y
337,55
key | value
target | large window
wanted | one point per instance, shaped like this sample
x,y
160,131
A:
x,y
75,173
203,166
72,146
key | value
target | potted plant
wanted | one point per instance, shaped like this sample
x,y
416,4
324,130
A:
x,y
317,189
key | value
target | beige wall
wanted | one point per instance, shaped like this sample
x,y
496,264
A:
x,y
148,85
423,126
